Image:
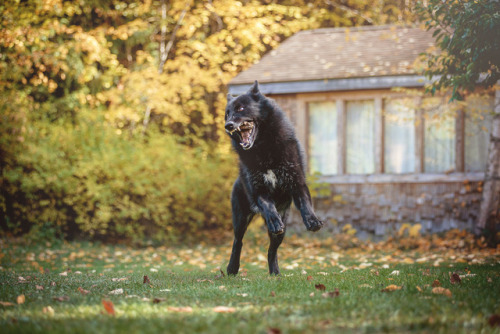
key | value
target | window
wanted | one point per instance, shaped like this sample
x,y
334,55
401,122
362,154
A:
x,y
360,137
439,136
398,135
399,139
478,121
323,138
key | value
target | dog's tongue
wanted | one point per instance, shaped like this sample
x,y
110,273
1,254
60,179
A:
x,y
245,136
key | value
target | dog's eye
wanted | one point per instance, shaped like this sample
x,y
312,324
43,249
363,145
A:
x,y
241,109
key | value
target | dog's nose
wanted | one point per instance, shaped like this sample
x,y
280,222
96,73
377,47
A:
x,y
230,126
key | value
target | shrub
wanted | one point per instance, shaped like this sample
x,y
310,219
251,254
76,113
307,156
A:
x,y
90,180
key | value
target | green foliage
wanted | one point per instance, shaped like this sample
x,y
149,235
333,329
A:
x,y
468,33
90,181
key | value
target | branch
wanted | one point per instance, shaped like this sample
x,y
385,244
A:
x,y
165,49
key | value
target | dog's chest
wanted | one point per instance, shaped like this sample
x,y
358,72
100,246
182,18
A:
x,y
274,179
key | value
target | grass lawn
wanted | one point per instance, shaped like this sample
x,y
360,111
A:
x,y
60,288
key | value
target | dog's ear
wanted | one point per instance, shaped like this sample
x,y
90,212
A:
x,y
229,97
254,91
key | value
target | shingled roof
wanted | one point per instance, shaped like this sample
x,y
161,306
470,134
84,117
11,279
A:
x,y
341,53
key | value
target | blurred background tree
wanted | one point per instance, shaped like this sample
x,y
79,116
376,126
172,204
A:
x,y
111,110
468,34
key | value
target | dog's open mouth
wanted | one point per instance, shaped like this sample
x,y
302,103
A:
x,y
247,132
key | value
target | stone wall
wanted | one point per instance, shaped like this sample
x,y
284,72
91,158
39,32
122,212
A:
x,y
381,209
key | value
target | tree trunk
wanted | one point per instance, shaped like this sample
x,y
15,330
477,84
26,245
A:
x,y
489,215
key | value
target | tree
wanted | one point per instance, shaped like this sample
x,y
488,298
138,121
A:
x,y
468,33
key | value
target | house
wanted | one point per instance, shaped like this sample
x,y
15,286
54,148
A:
x,y
381,151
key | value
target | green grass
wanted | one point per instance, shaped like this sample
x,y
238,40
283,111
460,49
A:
x,y
181,277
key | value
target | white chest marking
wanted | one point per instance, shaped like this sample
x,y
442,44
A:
x,y
270,178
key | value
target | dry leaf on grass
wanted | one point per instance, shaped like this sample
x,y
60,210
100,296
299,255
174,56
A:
x,y
320,287
182,309
441,291
121,279
273,331
83,291
61,299
48,310
224,309
116,292
272,294
436,283
6,304
108,306
158,300
39,287
331,294
146,280
494,320
455,278
21,299
391,288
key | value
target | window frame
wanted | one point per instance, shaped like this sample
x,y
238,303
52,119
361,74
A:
x,y
419,175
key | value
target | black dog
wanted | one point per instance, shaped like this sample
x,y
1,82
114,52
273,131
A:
x,y
272,172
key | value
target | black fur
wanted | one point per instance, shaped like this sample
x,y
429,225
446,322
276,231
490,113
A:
x,y
272,172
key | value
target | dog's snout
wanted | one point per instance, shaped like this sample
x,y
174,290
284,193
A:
x,y
230,126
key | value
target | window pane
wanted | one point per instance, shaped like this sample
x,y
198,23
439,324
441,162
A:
x,y
360,137
439,136
323,137
399,140
478,121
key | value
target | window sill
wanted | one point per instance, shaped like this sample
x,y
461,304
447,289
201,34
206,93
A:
x,y
402,178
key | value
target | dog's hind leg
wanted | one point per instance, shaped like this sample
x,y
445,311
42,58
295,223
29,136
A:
x,y
242,215
274,242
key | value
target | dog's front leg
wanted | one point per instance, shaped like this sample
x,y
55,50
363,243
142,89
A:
x,y
271,216
303,202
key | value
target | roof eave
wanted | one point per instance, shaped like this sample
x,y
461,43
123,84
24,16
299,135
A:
x,y
327,85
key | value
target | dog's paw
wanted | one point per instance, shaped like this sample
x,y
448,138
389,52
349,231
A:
x,y
275,225
313,224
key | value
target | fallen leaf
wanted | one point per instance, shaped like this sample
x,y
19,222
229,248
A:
x,y
146,280
419,289
183,309
436,283
49,310
6,304
204,280
158,300
489,280
21,299
52,283
224,309
222,287
320,287
222,275
309,278
455,278
83,291
311,294
242,294
331,294
153,270
273,331
365,286
21,279
391,288
395,273
121,279
39,287
494,320
108,306
61,299
273,294
441,291
116,292
64,273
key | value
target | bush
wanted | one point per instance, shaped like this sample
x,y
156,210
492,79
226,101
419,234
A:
x,y
90,180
